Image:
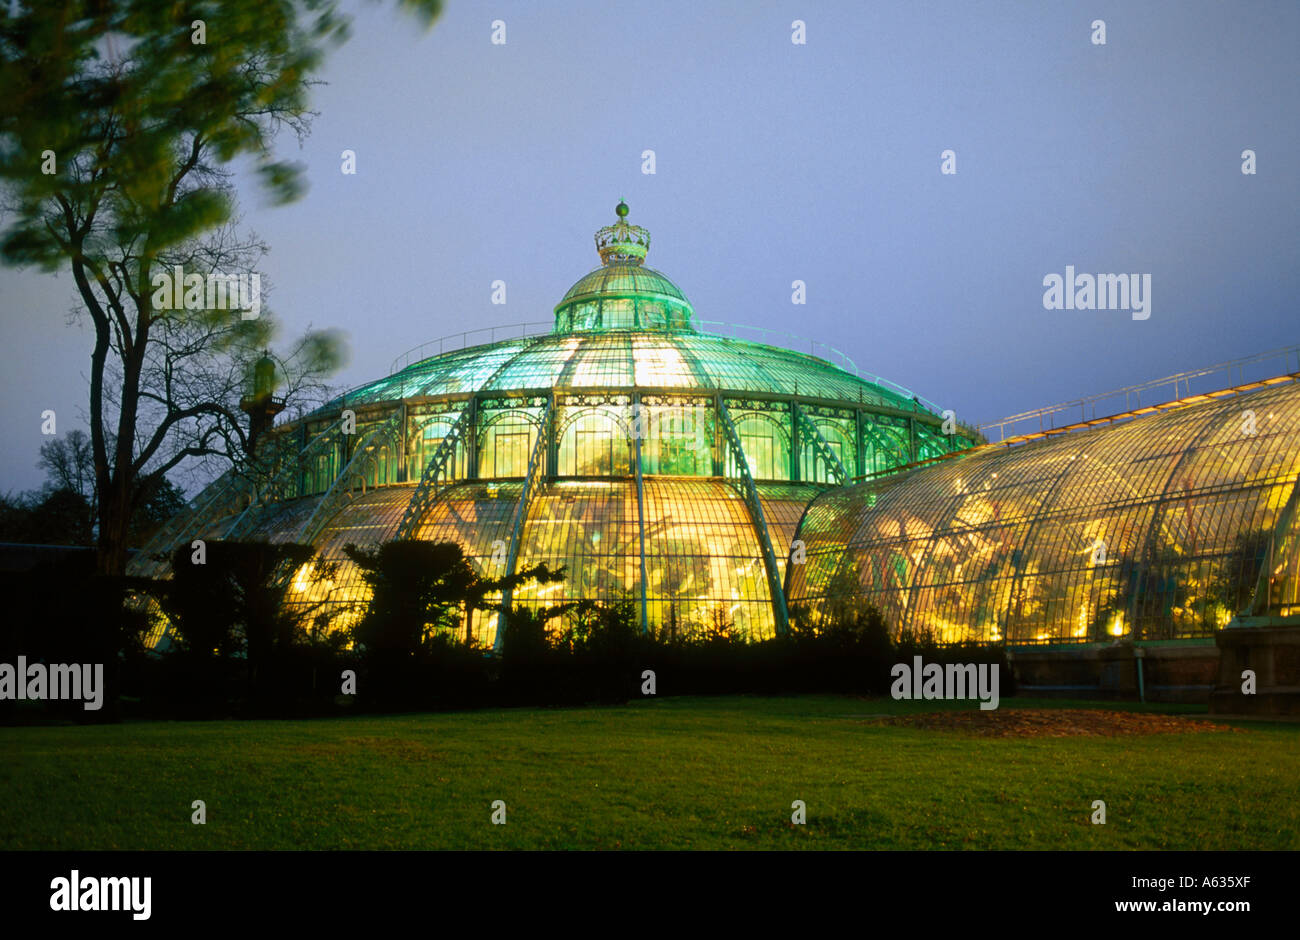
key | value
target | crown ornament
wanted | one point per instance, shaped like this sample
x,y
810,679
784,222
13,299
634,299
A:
x,y
622,242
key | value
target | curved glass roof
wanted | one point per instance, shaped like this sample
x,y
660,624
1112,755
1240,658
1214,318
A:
x,y
701,550
1153,529
623,279
626,359
622,295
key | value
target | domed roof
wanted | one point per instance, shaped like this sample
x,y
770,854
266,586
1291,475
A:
x,y
625,358
623,280
622,293
623,296
625,326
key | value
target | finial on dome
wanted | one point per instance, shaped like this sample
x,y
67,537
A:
x,y
622,243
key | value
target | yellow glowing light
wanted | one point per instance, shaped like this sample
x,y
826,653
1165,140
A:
x,y
1117,625
1081,622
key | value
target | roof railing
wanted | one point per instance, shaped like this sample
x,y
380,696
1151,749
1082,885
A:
x,y
454,342
823,351
1230,374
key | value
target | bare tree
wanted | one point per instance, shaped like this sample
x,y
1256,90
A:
x,y
69,464
119,120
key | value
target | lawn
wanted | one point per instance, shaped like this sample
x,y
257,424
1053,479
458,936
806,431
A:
x,y
688,773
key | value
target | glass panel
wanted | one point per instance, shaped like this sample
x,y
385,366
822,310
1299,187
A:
x,y
704,565
1154,528
593,442
591,528
507,443
765,438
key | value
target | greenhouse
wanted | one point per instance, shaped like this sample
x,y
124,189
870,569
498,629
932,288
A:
x,y
662,459
718,481
1160,527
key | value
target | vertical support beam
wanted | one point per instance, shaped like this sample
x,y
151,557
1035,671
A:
x,y
535,461
402,436
911,436
471,441
347,445
552,468
780,614
859,444
719,461
640,500
304,472
796,445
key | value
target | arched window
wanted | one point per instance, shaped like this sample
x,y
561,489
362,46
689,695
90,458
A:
x,y
593,443
505,446
680,441
812,467
324,471
766,444
429,437
884,447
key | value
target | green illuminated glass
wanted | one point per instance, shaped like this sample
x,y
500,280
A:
x,y
505,445
625,370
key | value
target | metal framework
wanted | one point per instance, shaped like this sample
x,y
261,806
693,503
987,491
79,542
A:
x,y
247,519
535,459
640,517
1169,391
750,494
1279,558
623,334
1001,544
427,491
228,488
364,455
834,466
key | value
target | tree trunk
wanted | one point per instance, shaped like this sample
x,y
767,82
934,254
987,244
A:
x,y
114,515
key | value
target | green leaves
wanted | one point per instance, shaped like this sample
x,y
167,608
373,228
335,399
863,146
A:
x,y
118,122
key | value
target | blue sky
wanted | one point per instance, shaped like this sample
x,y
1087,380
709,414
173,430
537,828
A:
x,y
775,162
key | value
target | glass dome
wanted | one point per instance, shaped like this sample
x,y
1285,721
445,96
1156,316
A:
x,y
623,296
657,462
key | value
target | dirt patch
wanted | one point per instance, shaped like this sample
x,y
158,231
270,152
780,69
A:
x,y
1055,723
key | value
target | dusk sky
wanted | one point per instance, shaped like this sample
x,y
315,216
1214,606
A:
x,y
775,162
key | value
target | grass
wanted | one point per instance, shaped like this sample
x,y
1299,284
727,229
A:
x,y
690,773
